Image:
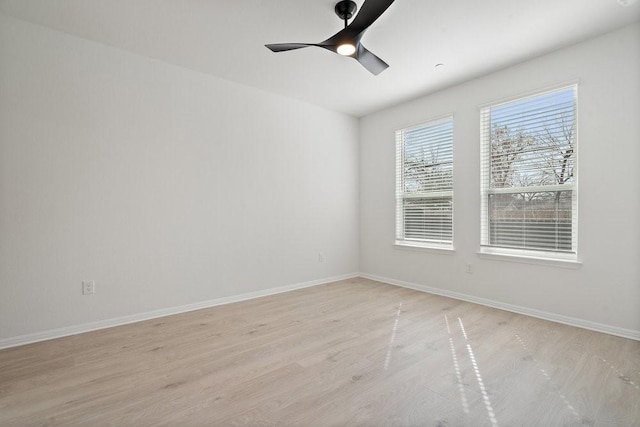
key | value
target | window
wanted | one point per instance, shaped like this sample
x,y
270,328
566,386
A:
x,y
529,173
424,185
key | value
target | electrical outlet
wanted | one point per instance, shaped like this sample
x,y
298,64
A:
x,y
320,257
469,268
88,287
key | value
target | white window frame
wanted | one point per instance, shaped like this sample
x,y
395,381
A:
x,y
544,256
401,239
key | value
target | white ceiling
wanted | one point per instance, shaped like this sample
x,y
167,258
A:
x,y
226,38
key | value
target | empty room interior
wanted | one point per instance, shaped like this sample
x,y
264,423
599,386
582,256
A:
x,y
320,212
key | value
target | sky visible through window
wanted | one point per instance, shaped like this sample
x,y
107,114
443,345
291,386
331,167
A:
x,y
527,113
532,140
428,152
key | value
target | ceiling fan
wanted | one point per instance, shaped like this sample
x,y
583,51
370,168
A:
x,y
347,41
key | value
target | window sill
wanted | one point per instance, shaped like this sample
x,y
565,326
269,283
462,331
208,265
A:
x,y
530,259
425,247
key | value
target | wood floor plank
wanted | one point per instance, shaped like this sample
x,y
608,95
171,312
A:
x,y
355,352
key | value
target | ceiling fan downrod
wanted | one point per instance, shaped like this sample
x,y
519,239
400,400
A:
x,y
345,10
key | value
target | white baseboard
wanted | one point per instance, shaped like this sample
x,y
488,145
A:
x,y
118,321
572,321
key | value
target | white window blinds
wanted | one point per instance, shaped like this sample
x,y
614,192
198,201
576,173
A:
x,y
424,184
529,193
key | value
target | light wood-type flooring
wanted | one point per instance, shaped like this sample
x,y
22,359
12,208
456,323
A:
x,y
354,352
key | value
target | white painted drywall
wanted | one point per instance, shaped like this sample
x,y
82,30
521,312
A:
x,y
606,288
165,186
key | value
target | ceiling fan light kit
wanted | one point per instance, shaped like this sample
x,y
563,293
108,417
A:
x,y
346,42
346,49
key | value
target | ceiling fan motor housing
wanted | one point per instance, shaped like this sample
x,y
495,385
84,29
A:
x,y
345,9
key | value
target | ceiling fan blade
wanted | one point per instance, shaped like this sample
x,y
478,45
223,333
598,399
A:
x,y
369,12
370,61
281,47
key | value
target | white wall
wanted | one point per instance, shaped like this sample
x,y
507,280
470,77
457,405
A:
x,y
606,288
165,186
